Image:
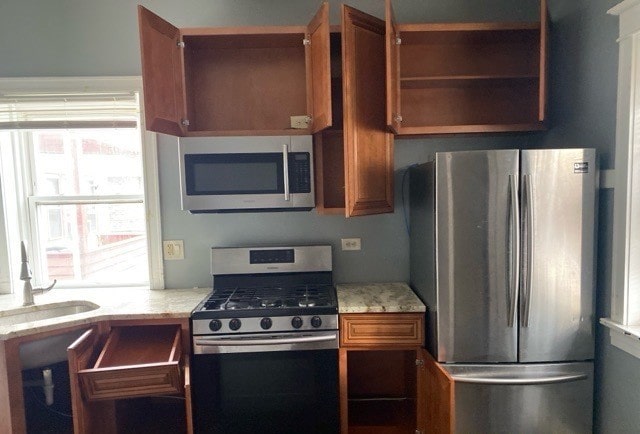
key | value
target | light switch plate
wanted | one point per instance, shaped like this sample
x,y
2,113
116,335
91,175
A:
x,y
173,249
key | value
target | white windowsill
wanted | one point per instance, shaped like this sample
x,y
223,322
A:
x,y
627,338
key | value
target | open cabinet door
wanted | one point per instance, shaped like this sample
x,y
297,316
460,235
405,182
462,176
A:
x,y
437,402
318,58
393,69
544,42
368,145
162,74
97,417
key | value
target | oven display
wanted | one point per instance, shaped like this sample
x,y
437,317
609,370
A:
x,y
280,256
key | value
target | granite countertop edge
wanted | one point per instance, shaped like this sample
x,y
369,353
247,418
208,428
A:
x,y
114,304
143,303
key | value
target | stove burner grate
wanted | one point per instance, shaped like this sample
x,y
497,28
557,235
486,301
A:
x,y
270,297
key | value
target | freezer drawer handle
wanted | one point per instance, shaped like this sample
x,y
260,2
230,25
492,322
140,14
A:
x,y
520,381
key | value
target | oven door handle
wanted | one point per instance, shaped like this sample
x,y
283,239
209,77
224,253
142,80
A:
x,y
262,341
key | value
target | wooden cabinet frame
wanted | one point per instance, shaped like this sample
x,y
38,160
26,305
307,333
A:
x,y
466,77
235,80
380,374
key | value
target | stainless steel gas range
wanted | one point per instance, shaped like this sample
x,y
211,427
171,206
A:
x,y
265,343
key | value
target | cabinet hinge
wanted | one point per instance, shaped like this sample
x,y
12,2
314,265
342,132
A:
x,y
184,122
398,40
398,118
180,44
419,362
306,41
419,431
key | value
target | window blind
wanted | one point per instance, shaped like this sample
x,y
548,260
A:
x,y
69,110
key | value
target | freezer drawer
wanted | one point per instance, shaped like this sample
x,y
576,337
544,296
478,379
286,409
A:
x,y
550,398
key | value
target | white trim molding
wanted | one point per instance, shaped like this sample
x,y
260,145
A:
x,y
627,338
629,13
624,323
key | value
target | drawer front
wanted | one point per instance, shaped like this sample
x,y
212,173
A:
x,y
382,329
129,382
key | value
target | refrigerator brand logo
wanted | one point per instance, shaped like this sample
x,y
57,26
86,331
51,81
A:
x,y
582,167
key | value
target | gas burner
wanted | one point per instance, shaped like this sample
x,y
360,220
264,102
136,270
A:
x,y
270,302
232,305
307,302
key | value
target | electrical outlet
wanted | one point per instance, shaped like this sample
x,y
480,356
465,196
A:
x,y
350,243
300,122
173,249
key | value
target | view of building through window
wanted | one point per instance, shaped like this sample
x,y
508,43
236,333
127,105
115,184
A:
x,y
88,204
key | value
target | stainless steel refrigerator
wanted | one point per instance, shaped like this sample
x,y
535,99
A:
x,y
503,255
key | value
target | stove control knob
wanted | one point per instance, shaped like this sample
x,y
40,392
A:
x,y
215,325
296,322
266,323
316,321
234,324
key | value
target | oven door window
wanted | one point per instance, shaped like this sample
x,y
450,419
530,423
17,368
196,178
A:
x,y
220,174
273,392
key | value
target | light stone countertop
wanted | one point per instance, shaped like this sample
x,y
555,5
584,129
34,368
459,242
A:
x,y
114,303
377,297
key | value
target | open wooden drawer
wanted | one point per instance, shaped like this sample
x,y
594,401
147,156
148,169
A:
x,y
135,361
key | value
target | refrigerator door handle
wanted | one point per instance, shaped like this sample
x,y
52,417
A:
x,y
527,204
514,242
519,381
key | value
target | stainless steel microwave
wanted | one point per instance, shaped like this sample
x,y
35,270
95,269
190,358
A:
x,y
235,174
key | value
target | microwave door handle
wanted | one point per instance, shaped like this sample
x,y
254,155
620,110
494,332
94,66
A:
x,y
285,169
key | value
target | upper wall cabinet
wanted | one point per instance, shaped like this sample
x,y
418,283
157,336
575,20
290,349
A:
x,y
466,77
235,80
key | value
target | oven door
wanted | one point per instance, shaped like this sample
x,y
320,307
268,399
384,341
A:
x,y
283,392
232,174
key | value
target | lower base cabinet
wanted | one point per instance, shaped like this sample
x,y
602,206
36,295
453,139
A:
x,y
112,367
388,383
382,391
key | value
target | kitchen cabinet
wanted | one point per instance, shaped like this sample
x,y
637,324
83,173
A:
x,y
354,158
466,77
116,361
388,382
382,379
235,80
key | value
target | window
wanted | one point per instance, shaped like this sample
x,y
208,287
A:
x,y
83,184
625,300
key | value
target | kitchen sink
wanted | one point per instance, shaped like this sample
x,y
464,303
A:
x,y
40,312
52,349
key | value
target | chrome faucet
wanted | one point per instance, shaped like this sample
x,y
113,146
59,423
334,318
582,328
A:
x,y
25,275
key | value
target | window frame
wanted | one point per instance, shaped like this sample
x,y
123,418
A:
x,y
26,211
624,322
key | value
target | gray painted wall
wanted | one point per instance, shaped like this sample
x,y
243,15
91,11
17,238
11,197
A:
x,y
94,37
584,61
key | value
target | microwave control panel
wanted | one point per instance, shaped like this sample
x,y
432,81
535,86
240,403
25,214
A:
x,y
299,172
